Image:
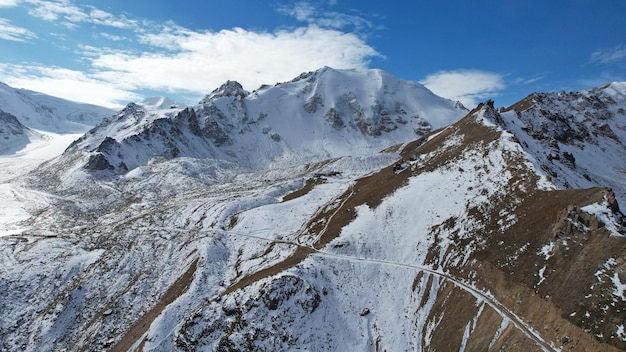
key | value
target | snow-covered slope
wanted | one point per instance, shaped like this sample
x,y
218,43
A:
x,y
46,113
370,237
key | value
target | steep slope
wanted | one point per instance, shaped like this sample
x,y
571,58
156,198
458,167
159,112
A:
x,y
34,128
46,113
453,239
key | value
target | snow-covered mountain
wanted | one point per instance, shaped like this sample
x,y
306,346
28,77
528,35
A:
x,y
13,135
51,114
319,115
344,210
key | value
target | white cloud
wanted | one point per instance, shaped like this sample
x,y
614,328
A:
x,y
68,84
8,3
599,79
605,56
112,37
302,11
107,19
182,61
14,33
72,15
467,86
53,10
200,61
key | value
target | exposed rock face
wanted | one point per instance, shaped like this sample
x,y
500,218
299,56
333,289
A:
x,y
333,118
258,323
13,135
314,103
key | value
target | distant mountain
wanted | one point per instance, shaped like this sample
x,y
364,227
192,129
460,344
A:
x,y
13,135
319,115
341,211
46,113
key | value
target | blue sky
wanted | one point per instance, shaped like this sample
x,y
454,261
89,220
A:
x,y
110,52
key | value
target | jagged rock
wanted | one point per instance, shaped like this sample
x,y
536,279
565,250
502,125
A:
x,y
98,162
313,103
333,118
13,135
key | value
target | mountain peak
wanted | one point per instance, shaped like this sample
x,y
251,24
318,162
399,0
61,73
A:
x,y
228,89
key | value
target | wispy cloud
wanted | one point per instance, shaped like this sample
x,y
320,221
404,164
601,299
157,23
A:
x,y
322,16
71,15
54,10
467,86
112,37
8,31
601,79
521,80
605,56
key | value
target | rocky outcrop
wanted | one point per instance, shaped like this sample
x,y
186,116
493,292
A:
x,y
13,135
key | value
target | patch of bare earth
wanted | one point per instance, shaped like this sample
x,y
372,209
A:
x,y
569,306
522,105
141,326
308,187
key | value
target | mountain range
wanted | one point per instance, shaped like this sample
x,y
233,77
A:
x,y
342,210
